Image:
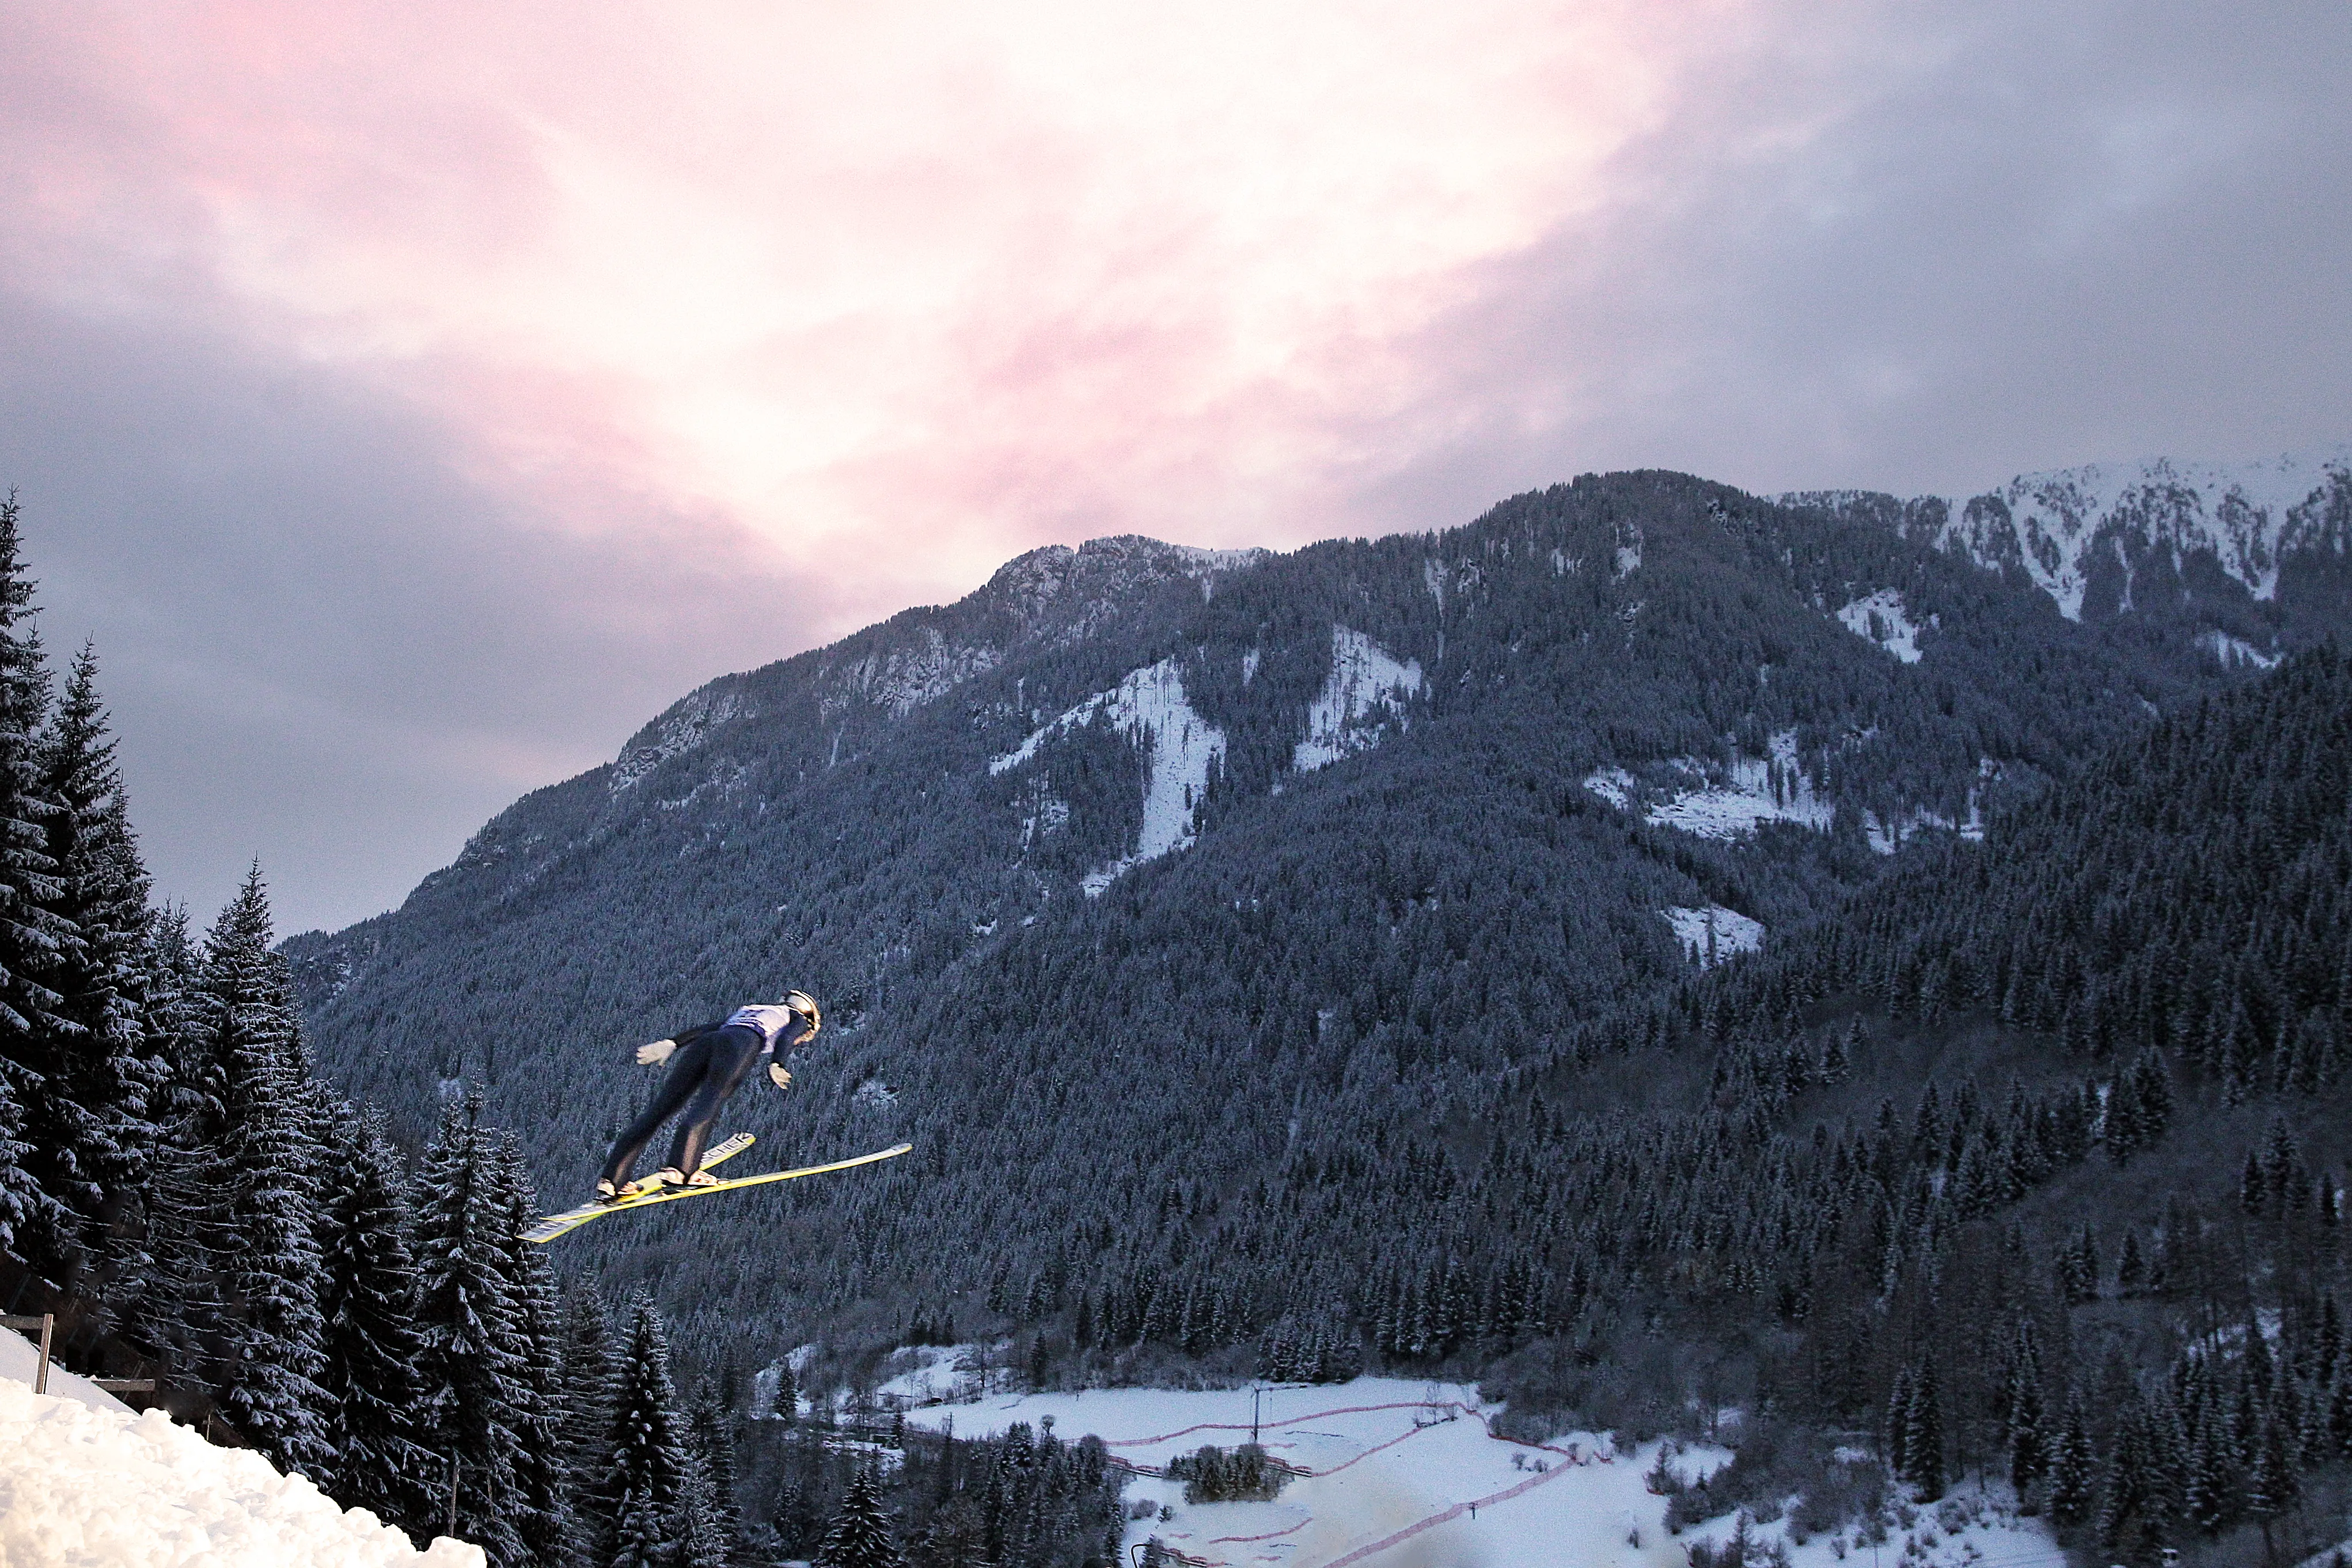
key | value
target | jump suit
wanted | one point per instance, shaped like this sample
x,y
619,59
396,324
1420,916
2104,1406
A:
x,y
709,1065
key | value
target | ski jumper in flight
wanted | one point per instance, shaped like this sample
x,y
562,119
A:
x,y
706,1065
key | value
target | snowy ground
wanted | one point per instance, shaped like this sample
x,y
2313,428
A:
x,y
1883,620
1712,934
1720,803
1151,708
1364,678
87,1487
1407,1475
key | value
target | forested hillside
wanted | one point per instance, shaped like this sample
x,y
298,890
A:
x,y
1143,876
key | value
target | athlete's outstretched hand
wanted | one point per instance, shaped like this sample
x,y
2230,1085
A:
x,y
778,1076
658,1052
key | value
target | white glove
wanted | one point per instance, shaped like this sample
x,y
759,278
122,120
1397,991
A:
x,y
658,1052
778,1076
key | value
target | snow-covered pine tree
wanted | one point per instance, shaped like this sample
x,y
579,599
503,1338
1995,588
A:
x,y
861,1535
586,1439
32,934
103,1069
542,1479
2072,1475
369,1302
645,1487
465,1315
1923,1440
2029,1441
173,1310
271,1390
713,1432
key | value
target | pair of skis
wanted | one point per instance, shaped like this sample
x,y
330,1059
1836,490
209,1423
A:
x,y
564,1224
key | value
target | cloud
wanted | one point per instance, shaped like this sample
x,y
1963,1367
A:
x,y
399,392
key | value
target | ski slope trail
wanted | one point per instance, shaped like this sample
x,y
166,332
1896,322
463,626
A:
x,y
86,1486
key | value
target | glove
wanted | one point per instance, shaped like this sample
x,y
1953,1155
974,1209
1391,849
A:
x,y
658,1052
778,1076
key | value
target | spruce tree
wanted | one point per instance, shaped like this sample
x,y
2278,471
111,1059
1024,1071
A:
x,y
278,1353
714,1453
172,1312
542,1478
97,1130
33,935
647,1489
1924,1432
467,1315
373,1345
860,1536
2028,1443
2072,1475
585,1440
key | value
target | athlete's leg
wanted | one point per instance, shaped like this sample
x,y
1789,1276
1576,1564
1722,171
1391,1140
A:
x,y
686,1072
732,1053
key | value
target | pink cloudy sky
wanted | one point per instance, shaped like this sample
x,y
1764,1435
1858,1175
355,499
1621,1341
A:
x,y
413,400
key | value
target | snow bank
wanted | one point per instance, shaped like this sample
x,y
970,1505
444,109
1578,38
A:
x,y
91,1488
1365,678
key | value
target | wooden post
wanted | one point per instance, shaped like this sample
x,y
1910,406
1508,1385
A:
x,y
452,1531
48,1323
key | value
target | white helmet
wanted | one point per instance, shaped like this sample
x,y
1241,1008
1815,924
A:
x,y
805,1005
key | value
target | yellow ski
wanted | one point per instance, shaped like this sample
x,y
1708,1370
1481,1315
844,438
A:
x,y
556,1225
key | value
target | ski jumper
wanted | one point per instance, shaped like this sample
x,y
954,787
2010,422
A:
x,y
708,1067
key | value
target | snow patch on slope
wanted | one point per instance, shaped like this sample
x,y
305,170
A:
x,y
1348,716
85,1486
1150,709
2234,651
1717,802
1714,933
1882,619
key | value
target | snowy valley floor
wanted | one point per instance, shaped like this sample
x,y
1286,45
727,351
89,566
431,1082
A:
x,y
85,1483
1406,1475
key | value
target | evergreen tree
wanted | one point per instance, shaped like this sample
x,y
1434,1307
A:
x,y
172,1312
373,1348
466,1316
585,1440
1923,1439
714,1453
543,1477
2071,1466
861,1535
646,1489
100,1075
2028,1446
277,1351
33,937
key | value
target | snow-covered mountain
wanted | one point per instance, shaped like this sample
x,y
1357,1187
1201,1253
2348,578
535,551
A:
x,y
2101,539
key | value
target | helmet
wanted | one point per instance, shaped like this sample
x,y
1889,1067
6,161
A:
x,y
805,1005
